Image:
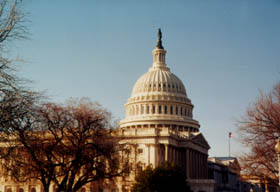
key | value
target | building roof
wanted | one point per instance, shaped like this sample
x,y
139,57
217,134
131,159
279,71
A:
x,y
230,162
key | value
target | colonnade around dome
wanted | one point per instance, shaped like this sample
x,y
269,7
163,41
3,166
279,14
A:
x,y
161,108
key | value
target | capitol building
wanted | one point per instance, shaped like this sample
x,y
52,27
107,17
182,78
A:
x,y
159,124
158,127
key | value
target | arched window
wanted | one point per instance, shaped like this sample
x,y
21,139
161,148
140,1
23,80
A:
x,y
20,190
159,109
171,110
165,109
181,110
33,189
153,109
147,109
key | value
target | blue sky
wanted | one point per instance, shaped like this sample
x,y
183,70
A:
x,y
224,51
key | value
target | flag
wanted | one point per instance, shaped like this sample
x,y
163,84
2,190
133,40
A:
x,y
230,134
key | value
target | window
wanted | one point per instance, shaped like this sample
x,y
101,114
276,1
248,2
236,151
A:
x,y
153,109
171,110
165,109
159,109
140,151
147,109
176,110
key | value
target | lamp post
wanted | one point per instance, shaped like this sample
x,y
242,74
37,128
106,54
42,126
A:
x,y
277,149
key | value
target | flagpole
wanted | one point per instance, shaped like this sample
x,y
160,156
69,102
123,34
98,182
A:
x,y
229,146
229,136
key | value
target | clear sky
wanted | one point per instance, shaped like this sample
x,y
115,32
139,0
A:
x,y
224,51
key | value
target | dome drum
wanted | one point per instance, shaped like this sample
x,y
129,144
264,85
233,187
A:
x,y
159,97
159,108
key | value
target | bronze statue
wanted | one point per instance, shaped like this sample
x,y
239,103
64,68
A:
x,y
159,43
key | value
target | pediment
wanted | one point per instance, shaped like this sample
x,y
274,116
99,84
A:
x,y
198,138
235,165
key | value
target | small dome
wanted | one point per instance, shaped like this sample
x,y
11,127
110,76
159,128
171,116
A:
x,y
158,80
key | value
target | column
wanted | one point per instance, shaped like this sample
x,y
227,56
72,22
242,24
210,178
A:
x,y
156,154
188,167
176,156
166,153
156,108
149,153
168,109
135,158
170,154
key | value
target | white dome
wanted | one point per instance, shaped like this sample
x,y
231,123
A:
x,y
158,80
159,99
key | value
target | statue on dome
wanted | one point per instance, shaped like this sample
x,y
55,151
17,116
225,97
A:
x,y
159,43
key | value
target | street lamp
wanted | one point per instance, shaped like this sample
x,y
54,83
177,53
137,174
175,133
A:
x,y
277,149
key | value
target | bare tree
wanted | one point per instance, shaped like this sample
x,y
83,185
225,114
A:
x,y
69,145
259,130
12,27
